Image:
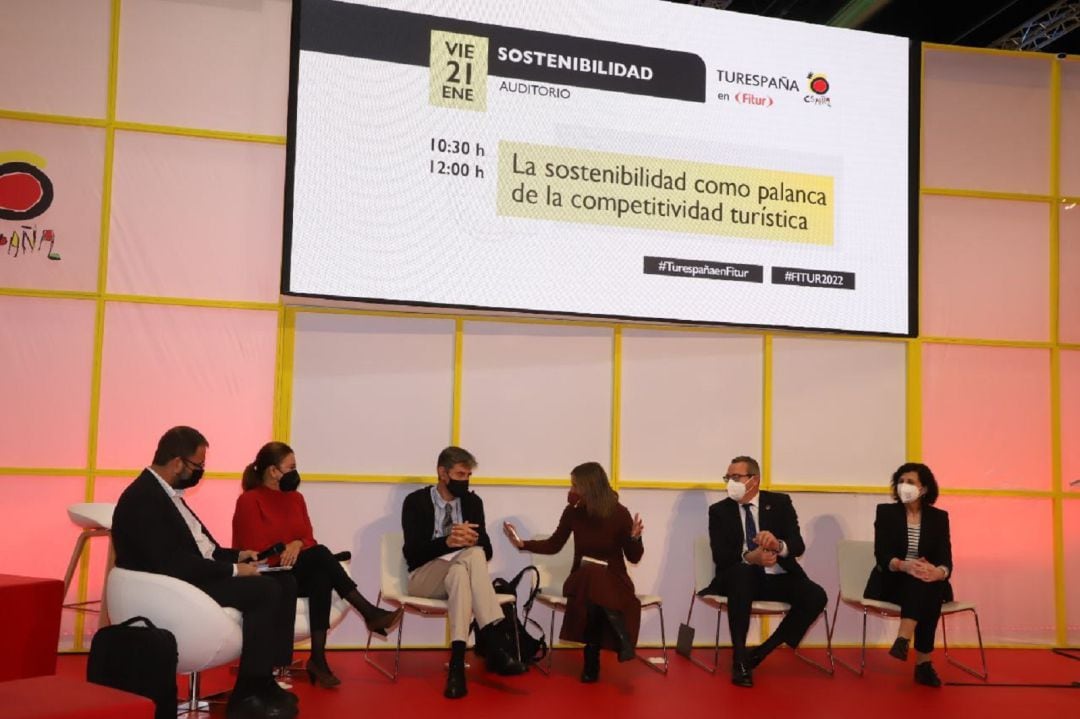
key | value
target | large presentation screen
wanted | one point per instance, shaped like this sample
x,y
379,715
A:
x,y
615,158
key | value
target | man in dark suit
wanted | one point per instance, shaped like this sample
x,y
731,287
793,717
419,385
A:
x,y
447,549
154,530
755,543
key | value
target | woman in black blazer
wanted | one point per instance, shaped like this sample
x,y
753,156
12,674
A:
x,y
914,563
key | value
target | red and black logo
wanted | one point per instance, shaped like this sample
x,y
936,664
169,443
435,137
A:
x,y
819,84
25,191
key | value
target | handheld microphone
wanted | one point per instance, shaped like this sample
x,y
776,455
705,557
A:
x,y
270,551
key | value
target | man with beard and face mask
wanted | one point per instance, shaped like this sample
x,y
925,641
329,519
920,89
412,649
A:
x,y
154,530
755,542
447,549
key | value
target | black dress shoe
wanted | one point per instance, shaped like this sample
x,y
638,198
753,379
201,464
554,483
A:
x,y
899,649
455,680
277,692
741,675
259,706
590,672
925,675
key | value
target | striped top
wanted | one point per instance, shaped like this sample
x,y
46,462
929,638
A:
x,y
913,531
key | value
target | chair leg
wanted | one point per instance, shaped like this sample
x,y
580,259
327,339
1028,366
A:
x,y
392,676
711,669
831,669
194,705
659,667
982,652
862,667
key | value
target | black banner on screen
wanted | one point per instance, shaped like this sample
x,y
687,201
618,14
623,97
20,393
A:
x,y
394,36
813,278
703,269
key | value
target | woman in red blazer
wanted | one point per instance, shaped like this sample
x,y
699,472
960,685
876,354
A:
x,y
271,511
913,550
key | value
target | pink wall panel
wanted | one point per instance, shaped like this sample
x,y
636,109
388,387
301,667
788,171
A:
x,y
61,51
985,269
1069,269
1070,420
162,366
986,416
71,158
48,348
1072,571
36,514
1012,582
973,138
196,218
235,57
1070,127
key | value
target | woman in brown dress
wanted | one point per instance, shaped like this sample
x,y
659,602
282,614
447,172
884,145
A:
x,y
602,610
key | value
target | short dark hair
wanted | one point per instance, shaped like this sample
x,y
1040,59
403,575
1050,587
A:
x,y
926,478
453,456
179,442
750,462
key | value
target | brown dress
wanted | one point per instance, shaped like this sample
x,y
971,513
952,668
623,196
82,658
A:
x,y
607,539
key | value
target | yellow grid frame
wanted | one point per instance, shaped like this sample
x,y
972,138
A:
x,y
287,337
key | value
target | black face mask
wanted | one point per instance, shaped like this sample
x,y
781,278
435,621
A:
x,y
289,481
190,481
458,487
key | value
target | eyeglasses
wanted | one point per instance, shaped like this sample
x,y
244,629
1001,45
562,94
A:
x,y
196,465
738,477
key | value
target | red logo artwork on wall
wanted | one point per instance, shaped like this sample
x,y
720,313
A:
x,y
25,191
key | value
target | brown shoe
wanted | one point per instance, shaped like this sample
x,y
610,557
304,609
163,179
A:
x,y
384,621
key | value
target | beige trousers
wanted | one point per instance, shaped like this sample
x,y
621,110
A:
x,y
466,585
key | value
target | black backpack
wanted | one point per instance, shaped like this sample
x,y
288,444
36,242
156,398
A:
x,y
140,660
533,649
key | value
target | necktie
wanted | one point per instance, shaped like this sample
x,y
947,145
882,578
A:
x,y
751,529
448,521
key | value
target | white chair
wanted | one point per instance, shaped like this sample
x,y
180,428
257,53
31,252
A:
x,y
95,520
554,569
207,634
704,572
855,560
393,589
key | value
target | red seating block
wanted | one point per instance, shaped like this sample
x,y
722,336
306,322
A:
x,y
32,630
64,698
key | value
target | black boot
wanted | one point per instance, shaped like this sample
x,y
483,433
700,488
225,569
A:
x,y
590,672
618,628
925,675
455,677
500,653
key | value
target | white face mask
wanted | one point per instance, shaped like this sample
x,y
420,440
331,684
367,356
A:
x,y
907,493
736,490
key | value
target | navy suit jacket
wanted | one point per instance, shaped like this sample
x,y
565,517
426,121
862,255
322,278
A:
x,y
726,522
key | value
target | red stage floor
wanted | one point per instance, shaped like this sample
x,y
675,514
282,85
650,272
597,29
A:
x,y
784,686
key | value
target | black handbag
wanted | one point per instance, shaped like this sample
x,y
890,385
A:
x,y
137,659
532,649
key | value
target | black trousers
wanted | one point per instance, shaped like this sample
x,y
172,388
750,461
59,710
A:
x,y
317,573
745,583
920,601
269,609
